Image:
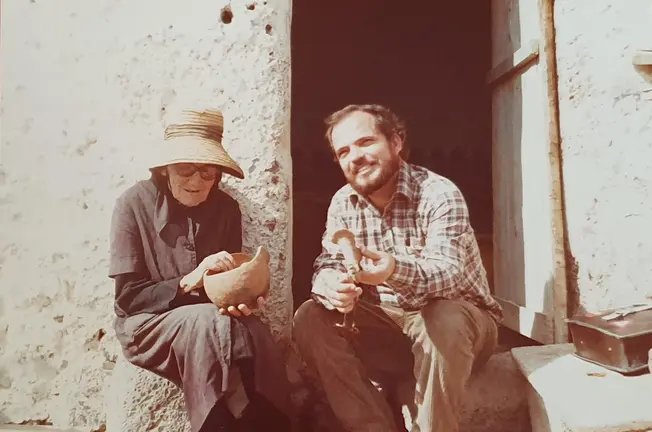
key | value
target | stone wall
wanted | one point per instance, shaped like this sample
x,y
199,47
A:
x,y
606,127
85,88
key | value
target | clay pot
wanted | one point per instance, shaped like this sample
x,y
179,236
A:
x,y
242,285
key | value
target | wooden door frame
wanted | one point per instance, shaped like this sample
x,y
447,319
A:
x,y
559,231
543,50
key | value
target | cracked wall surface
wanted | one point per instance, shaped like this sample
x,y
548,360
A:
x,y
85,90
606,131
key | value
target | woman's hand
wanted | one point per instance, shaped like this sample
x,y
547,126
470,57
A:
x,y
192,281
215,263
243,309
218,263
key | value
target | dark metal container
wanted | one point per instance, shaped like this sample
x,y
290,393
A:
x,y
619,340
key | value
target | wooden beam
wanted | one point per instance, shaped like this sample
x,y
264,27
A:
x,y
521,58
561,246
535,325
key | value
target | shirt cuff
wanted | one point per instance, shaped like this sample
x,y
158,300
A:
x,y
317,293
404,273
168,292
122,264
322,301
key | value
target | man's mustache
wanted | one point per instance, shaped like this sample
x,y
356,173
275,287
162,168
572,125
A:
x,y
360,165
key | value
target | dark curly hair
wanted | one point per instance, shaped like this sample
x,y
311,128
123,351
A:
x,y
387,123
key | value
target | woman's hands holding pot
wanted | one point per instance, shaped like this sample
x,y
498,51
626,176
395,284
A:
x,y
218,263
215,263
243,309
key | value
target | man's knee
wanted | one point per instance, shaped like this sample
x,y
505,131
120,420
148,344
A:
x,y
310,322
445,325
307,316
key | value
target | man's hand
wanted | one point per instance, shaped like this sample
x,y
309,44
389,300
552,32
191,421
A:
x,y
243,309
378,268
215,263
340,291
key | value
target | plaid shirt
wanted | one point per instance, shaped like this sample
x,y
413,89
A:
x,y
426,228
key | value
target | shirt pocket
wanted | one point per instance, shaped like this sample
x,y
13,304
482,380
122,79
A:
x,y
414,251
408,240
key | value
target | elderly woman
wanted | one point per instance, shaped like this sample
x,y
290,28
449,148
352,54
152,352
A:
x,y
166,232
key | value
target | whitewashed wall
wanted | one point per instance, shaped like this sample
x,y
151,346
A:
x,y
84,87
606,127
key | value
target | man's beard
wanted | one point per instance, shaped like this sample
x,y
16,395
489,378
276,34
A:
x,y
386,174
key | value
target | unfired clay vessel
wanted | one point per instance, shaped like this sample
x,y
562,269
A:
x,y
242,285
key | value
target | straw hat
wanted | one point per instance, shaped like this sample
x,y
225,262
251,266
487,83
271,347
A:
x,y
196,137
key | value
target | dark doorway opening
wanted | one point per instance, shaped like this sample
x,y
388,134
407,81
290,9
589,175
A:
x,y
427,61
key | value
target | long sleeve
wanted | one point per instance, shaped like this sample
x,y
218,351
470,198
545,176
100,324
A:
x,y
330,259
438,270
135,292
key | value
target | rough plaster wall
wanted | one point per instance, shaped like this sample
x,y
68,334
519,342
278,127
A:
x,y
83,88
606,127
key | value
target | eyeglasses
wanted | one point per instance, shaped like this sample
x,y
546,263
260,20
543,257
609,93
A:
x,y
206,172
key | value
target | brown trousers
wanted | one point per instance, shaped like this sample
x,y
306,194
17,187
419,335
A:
x,y
440,344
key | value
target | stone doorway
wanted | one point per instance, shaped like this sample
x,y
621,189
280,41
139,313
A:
x,y
428,61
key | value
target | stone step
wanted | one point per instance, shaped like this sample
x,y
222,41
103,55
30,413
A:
x,y
139,400
567,394
495,400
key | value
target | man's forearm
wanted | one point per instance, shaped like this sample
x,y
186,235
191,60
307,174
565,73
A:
x,y
416,280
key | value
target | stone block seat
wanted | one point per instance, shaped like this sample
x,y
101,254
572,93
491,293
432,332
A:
x,y
137,400
567,394
495,400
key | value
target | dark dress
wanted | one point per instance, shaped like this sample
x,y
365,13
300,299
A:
x,y
155,241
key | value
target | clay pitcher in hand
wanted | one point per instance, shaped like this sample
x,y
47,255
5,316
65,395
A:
x,y
243,284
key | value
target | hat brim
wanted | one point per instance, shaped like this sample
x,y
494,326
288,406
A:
x,y
189,149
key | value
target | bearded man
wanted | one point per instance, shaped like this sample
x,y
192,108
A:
x,y
423,309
